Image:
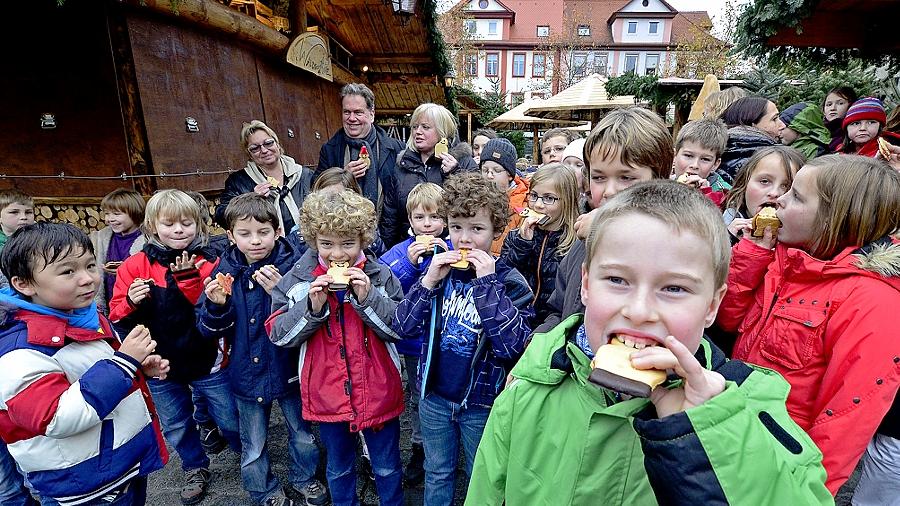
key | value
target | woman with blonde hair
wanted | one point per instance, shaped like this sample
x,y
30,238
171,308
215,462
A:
x,y
270,173
816,301
423,161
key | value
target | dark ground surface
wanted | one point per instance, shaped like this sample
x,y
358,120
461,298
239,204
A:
x,y
226,488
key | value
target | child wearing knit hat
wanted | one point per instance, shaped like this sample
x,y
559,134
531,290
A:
x,y
498,164
863,125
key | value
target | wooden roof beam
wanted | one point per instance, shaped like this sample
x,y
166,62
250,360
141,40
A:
x,y
411,59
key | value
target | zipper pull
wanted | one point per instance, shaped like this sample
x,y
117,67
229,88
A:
x,y
343,354
347,387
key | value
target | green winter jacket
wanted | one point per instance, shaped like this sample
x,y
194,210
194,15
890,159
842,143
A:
x,y
574,444
813,137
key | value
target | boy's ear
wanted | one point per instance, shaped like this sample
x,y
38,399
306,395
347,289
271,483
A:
x,y
716,164
231,236
713,309
584,286
26,288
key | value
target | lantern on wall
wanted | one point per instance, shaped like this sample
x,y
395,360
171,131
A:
x,y
404,7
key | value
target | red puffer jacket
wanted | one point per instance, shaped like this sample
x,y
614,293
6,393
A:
x,y
349,367
830,328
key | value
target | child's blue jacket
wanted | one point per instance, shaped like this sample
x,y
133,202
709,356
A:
x,y
258,369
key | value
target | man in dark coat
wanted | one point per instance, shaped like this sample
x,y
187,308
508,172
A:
x,y
359,130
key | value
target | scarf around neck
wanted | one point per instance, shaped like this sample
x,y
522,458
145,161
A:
x,y
353,146
292,175
84,318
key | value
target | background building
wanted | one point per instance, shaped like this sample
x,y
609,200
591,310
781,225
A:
x,y
528,48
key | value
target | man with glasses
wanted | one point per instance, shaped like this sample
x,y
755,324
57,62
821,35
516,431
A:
x,y
359,131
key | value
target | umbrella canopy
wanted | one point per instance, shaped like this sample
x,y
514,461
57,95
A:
x,y
584,100
710,86
516,119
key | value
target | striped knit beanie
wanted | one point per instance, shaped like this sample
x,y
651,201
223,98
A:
x,y
865,108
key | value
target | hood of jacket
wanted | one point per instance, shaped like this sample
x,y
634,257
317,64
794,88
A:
x,y
547,359
518,195
809,123
748,136
878,260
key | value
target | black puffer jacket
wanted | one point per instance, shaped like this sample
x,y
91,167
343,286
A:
x,y
566,297
408,172
538,262
383,155
239,183
743,141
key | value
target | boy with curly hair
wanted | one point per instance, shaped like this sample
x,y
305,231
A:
x,y
336,304
472,308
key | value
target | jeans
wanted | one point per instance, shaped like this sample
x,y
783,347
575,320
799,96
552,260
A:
x,y
411,364
12,483
175,409
444,423
136,495
879,481
384,451
256,471
201,409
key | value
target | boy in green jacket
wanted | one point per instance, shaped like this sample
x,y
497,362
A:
x,y
718,433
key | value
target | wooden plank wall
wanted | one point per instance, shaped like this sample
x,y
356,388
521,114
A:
x,y
58,60
182,72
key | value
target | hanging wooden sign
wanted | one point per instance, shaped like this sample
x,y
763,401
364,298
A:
x,y
309,51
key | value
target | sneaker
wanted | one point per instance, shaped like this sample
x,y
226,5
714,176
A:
x,y
212,440
196,483
278,500
311,494
414,472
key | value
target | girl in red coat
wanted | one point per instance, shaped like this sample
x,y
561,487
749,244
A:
x,y
816,300
863,126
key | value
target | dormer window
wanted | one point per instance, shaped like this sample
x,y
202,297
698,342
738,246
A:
x,y
584,30
543,31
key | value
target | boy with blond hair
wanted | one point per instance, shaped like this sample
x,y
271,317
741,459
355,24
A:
x,y
681,445
627,146
336,305
698,153
408,260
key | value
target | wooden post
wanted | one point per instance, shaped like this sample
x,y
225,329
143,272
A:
x,y
469,118
297,17
534,147
130,101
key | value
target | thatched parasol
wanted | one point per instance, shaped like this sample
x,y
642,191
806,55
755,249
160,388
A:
x,y
516,119
585,100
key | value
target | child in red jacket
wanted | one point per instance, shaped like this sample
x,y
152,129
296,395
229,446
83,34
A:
x,y
158,288
816,300
337,304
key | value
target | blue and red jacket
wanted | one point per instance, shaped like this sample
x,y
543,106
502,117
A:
x,y
75,414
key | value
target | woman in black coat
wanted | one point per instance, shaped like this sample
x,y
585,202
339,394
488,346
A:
x,y
269,172
753,123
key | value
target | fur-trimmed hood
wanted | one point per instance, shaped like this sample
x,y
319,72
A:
x,y
877,260
881,258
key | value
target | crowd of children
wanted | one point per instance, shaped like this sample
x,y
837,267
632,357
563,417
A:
x,y
492,298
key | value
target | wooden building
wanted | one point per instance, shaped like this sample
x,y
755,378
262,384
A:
x,y
102,94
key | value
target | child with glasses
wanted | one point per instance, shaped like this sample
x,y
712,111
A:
x,y
546,232
498,164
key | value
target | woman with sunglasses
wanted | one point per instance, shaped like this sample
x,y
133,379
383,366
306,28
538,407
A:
x,y
269,172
